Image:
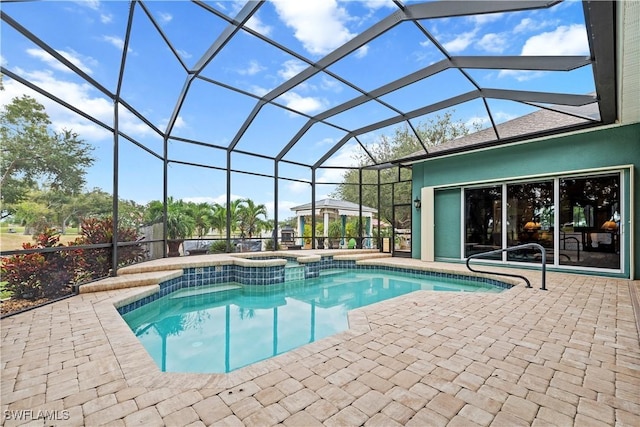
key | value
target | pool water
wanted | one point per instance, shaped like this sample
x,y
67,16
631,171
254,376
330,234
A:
x,y
220,328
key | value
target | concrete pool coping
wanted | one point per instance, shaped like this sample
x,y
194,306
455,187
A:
x,y
520,357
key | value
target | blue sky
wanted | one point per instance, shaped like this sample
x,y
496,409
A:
x,y
90,34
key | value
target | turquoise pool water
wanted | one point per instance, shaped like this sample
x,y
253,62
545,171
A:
x,y
220,328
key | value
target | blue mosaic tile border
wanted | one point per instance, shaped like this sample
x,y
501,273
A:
x,y
266,277
166,288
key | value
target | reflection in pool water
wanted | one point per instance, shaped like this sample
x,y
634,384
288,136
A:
x,y
217,329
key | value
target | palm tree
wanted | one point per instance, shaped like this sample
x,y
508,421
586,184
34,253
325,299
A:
x,y
250,218
180,223
218,218
235,215
201,213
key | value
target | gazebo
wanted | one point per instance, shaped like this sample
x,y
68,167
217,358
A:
x,y
329,209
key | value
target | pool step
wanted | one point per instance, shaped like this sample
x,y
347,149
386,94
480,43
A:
x,y
203,290
328,273
293,273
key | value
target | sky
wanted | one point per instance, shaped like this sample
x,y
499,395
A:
x,y
93,38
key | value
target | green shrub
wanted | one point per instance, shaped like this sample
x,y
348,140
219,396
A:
x,y
41,275
218,247
51,274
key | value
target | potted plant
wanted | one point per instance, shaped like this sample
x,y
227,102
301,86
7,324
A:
x,y
180,225
334,233
307,236
320,236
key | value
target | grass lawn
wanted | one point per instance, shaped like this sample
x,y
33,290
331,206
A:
x,y
14,241
4,294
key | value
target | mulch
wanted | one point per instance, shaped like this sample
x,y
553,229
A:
x,y
13,305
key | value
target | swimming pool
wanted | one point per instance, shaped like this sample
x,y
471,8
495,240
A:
x,y
223,327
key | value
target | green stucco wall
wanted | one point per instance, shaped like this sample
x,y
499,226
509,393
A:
x,y
447,217
616,146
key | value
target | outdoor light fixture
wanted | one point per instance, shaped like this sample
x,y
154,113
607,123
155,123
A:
x,y
417,203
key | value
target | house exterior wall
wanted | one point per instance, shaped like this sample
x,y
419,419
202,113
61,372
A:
x,y
601,148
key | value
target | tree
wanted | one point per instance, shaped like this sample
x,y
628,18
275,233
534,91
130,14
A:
x,y
250,218
34,216
219,218
402,144
202,214
33,155
180,221
72,209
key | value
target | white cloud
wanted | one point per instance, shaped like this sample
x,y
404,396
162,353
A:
x,y
477,120
106,18
84,98
331,175
291,68
520,75
91,4
72,56
96,5
503,116
564,40
485,18
318,24
284,209
326,141
258,90
330,85
75,94
525,25
115,41
179,124
461,42
304,104
494,43
184,54
362,52
297,187
252,69
344,158
257,25
528,25
379,4
165,17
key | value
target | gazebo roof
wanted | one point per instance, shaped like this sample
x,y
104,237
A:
x,y
340,205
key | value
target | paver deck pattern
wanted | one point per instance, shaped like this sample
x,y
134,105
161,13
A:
x,y
566,356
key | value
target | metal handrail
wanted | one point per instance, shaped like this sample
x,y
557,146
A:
x,y
565,238
510,249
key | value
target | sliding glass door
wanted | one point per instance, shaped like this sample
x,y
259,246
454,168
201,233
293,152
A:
x,y
585,233
530,219
483,221
590,221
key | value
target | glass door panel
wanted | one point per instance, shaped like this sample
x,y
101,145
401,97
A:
x,y
483,221
590,221
530,219
402,230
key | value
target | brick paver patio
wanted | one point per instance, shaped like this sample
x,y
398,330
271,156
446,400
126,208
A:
x,y
567,356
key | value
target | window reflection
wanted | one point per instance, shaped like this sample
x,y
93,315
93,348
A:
x,y
530,214
589,232
483,221
590,221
